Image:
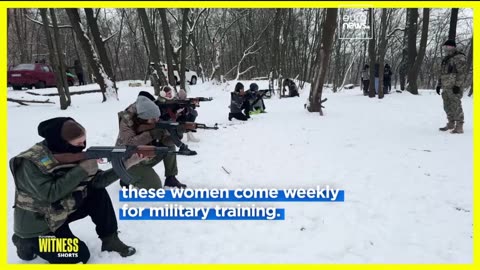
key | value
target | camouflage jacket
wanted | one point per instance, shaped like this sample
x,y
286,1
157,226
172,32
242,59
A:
x,y
46,192
127,133
453,71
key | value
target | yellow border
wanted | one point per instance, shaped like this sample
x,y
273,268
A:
x,y
222,4
238,4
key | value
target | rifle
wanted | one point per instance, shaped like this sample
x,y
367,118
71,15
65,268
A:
x,y
192,126
171,127
181,103
200,99
259,94
114,154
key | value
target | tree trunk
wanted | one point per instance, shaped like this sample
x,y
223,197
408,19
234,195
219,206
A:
x,y
185,42
315,104
154,57
61,60
382,50
99,44
452,32
411,42
168,47
53,60
18,21
371,55
275,55
414,70
403,70
103,80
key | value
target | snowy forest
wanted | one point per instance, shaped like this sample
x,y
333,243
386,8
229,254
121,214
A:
x,y
403,155
228,44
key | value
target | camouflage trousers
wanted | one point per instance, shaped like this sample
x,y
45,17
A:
x,y
452,104
146,177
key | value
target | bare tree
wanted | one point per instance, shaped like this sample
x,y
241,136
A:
x,y
154,56
185,42
99,42
329,26
168,48
54,60
105,82
412,26
250,51
371,55
61,60
382,50
413,71
452,32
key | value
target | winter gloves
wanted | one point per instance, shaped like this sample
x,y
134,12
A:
x,y
133,160
456,89
90,166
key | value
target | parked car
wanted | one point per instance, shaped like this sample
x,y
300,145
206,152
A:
x,y
190,75
30,75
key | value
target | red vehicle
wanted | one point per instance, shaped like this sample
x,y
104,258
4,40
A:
x,y
29,75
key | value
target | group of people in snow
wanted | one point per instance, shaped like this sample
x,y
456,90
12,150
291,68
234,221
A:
x,y
50,195
387,78
244,103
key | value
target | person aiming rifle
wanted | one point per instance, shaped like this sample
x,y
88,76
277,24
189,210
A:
x,y
56,184
172,108
255,98
238,102
144,112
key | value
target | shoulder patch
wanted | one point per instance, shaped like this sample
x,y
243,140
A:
x,y
46,161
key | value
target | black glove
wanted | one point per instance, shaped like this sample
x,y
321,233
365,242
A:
x,y
456,89
185,151
438,90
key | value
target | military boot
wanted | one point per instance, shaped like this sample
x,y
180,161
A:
x,y
172,181
458,128
450,125
113,243
24,248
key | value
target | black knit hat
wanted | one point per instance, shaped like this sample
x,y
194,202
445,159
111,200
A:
x,y
254,87
238,87
147,95
54,130
450,42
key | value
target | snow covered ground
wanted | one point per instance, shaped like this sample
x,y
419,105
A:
x,y
408,187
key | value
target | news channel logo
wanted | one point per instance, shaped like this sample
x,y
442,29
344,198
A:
x,y
354,23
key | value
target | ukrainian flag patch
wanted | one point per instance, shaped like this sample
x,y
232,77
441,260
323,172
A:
x,y
46,161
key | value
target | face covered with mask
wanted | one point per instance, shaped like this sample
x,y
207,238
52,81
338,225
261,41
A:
x,y
63,135
447,49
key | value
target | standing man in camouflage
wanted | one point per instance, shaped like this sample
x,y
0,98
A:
x,y
452,80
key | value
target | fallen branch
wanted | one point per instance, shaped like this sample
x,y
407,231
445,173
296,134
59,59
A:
x,y
424,150
24,101
226,170
111,36
51,26
71,93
